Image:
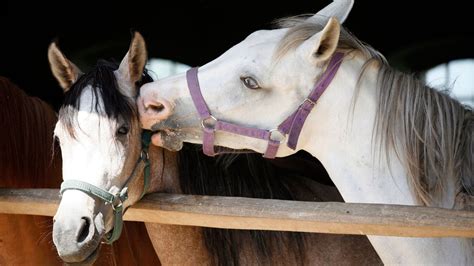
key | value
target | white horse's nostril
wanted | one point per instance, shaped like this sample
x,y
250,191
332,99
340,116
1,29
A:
x,y
84,229
154,110
156,107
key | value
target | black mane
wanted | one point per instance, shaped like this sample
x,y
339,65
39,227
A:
x,y
104,86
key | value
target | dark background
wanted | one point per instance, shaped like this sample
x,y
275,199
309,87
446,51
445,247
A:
x,y
413,35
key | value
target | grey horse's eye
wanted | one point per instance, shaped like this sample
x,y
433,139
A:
x,y
123,130
250,83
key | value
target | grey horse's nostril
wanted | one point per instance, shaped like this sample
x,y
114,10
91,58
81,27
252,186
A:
x,y
157,107
84,228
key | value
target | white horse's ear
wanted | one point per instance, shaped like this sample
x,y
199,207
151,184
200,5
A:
x,y
322,45
63,70
132,66
339,9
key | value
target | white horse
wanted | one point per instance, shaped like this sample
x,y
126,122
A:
x,y
383,136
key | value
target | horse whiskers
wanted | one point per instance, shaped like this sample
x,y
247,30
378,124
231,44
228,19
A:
x,y
47,235
44,224
177,131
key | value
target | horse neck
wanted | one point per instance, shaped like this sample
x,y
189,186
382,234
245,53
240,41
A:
x,y
164,171
28,154
174,244
341,139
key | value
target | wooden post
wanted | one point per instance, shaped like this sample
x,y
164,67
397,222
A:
x,y
262,214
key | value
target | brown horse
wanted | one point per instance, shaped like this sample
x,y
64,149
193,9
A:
x,y
28,161
99,132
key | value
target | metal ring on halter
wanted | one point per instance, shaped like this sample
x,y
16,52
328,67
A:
x,y
144,155
119,203
209,123
276,135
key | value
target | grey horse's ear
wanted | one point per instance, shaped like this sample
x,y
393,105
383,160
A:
x,y
322,45
63,70
339,9
132,66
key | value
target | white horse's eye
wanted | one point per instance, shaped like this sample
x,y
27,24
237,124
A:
x,y
123,130
250,83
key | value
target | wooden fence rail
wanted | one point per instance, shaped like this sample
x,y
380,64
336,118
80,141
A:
x,y
263,214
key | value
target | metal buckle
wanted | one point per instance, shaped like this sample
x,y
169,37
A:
x,y
117,203
144,155
115,206
209,123
309,101
276,135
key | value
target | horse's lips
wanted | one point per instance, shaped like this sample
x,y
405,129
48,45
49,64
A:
x,y
156,139
167,139
89,260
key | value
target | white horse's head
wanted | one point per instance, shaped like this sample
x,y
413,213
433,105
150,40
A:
x,y
99,134
252,84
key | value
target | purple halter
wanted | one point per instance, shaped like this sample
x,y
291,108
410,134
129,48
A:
x,y
291,126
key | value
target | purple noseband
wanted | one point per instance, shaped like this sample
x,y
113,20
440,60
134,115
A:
x,y
291,126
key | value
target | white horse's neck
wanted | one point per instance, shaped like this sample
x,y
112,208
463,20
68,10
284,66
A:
x,y
340,141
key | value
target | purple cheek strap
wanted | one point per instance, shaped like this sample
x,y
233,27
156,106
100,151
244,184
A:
x,y
291,127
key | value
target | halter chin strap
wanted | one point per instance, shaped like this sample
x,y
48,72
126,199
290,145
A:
x,y
116,200
290,127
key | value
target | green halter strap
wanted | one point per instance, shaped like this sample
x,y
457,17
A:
x,y
116,200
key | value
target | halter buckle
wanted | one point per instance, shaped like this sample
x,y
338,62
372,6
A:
x,y
144,155
117,203
276,135
119,198
308,100
209,123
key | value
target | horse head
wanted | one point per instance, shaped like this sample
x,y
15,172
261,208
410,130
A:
x,y
99,135
250,86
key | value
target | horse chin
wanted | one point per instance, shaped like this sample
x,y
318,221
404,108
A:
x,y
89,260
98,235
167,139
